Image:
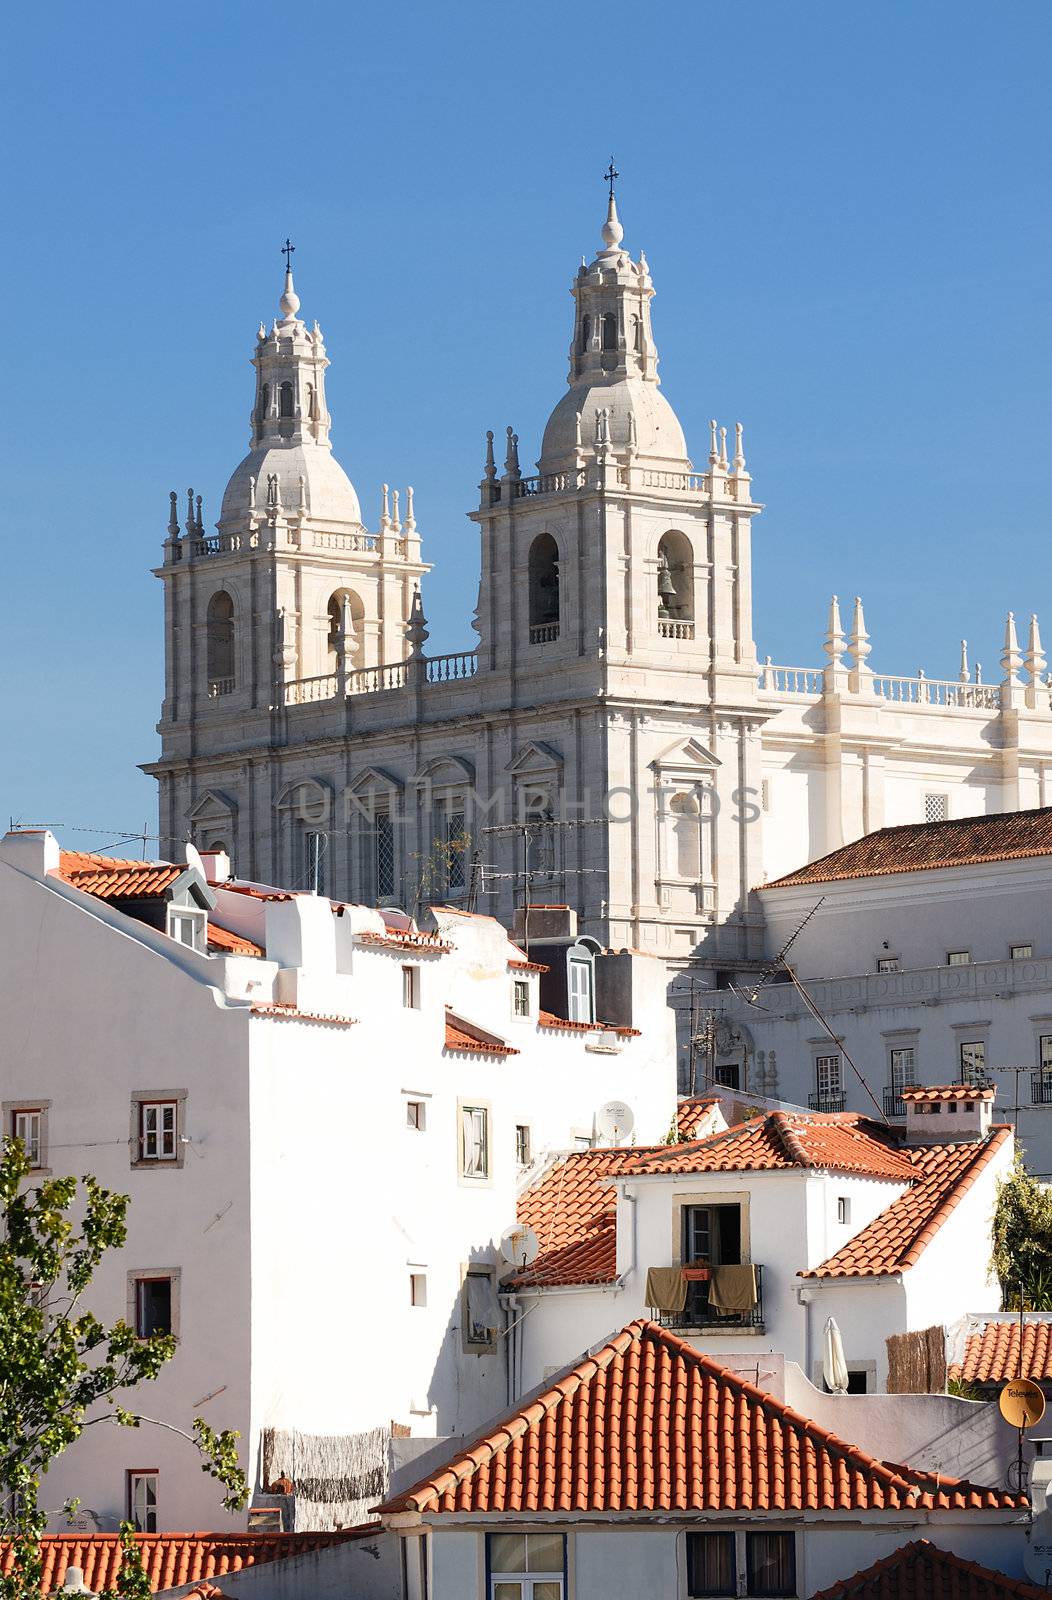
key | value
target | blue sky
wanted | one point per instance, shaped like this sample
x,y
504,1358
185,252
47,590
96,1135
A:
x,y
846,212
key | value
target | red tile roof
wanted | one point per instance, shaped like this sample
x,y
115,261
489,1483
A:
x,y
693,1113
922,1571
548,1019
991,1353
920,846
895,1240
518,964
230,943
111,879
945,1091
571,1209
421,943
172,1559
839,1142
282,1011
474,1041
648,1423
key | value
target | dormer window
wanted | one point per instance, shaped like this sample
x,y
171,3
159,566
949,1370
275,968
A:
x,y
189,926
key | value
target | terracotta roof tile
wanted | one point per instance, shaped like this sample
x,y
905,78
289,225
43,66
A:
x,y
548,1019
991,1353
171,1559
421,943
282,1011
781,1140
945,1091
922,1571
693,1113
108,878
920,846
471,1040
518,964
571,1209
648,1423
895,1240
230,943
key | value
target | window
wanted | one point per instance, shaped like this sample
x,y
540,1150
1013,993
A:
x,y
609,331
675,581
1044,1052
686,830
936,807
888,964
1021,952
579,988
586,334
857,1381
727,1075
451,845
411,988
383,855
286,404
416,1115
827,1080
315,845
973,1063
189,926
414,1567
526,1566
482,1318
902,1063
843,1209
142,1501
770,1564
522,1144
474,1141
418,1288
158,1125
219,644
958,958
153,1306
28,1124
711,1567
543,583
521,997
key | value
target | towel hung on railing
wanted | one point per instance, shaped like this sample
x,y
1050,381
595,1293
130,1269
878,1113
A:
x,y
666,1289
732,1290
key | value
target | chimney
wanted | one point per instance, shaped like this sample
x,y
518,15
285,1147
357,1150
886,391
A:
x,y
952,1113
34,851
218,866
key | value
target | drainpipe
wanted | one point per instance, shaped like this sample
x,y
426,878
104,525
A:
x,y
510,1341
629,1195
804,1296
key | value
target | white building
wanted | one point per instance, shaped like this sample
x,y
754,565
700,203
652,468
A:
x,y
927,949
748,1241
306,729
649,1468
321,1125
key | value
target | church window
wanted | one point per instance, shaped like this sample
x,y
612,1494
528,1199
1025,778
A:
x,y
447,869
314,849
609,331
377,856
686,828
544,589
286,406
357,618
219,646
586,334
675,586
262,409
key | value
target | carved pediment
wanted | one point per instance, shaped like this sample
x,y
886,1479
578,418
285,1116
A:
x,y
535,757
685,756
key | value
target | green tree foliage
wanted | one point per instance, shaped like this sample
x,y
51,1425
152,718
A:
x,y
1022,1239
61,1369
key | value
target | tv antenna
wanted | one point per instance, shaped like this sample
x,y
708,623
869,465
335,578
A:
x,y
527,829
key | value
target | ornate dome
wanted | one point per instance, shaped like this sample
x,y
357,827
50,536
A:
x,y
328,496
658,434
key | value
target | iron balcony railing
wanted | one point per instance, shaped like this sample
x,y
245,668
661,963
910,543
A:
x,y
1041,1088
827,1102
894,1105
697,1313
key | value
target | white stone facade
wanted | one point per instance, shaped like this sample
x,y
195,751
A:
x,y
316,1215
615,679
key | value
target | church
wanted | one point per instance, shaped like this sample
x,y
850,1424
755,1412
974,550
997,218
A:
x,y
614,744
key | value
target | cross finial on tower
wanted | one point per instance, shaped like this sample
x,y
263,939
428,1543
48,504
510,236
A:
x,y
610,175
288,250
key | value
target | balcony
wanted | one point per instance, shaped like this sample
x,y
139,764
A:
x,y
697,1313
220,686
670,628
1041,1088
544,632
894,1105
827,1102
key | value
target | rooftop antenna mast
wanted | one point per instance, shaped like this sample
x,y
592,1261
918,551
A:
x,y
525,874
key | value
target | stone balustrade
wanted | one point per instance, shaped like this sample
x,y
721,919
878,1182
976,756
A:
x,y
456,667
672,628
544,632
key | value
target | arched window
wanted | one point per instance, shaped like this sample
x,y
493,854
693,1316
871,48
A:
x,y
544,589
586,334
286,400
335,611
675,586
609,331
219,653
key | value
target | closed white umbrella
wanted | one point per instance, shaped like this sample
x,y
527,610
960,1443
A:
x,y
834,1367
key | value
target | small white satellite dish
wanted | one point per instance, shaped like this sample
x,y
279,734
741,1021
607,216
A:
x,y
193,859
519,1246
615,1120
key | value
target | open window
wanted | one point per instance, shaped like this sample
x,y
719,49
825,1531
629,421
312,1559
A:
x,y
142,1496
675,586
219,645
544,589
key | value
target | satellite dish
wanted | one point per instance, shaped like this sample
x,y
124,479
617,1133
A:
x,y
519,1246
193,859
615,1120
1021,1403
